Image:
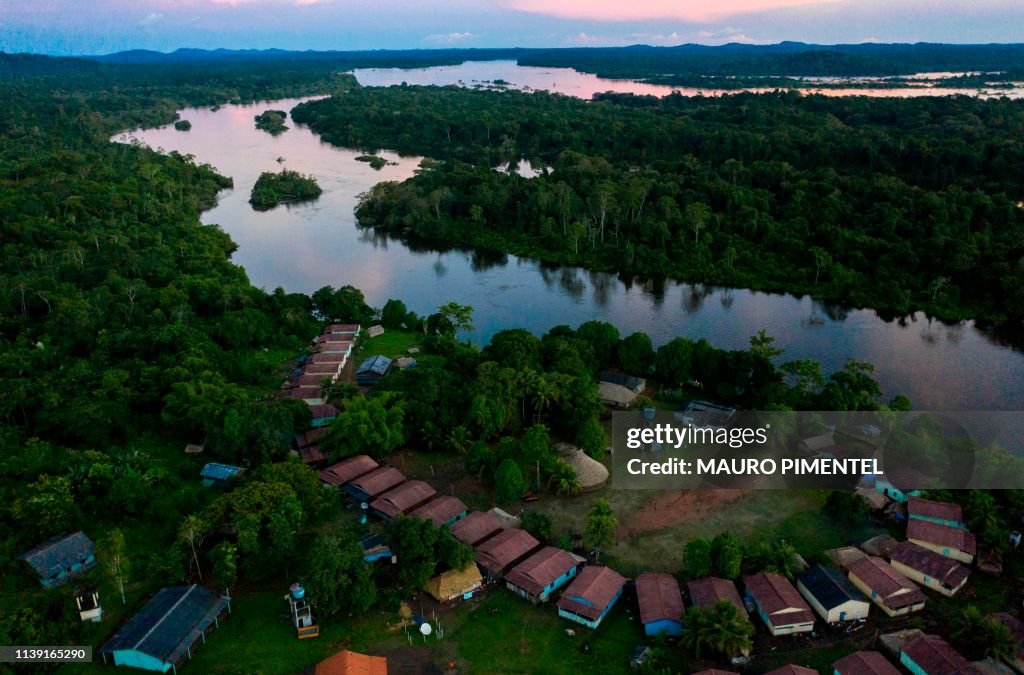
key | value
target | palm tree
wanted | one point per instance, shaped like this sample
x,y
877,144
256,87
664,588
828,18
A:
x,y
563,478
783,559
720,628
601,525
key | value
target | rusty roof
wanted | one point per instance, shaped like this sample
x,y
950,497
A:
x,y
934,655
311,437
931,564
893,589
378,481
792,669
659,598
505,548
590,593
440,510
541,569
711,590
321,369
941,535
475,527
341,328
779,599
865,663
348,470
928,508
312,454
403,498
352,663
328,357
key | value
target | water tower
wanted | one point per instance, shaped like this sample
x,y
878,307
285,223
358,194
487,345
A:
x,y
302,614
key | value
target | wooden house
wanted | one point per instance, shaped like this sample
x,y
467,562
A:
x,y
500,553
953,542
591,596
942,513
476,527
660,602
455,585
401,499
348,470
61,558
441,510
779,604
928,568
542,573
373,484
887,588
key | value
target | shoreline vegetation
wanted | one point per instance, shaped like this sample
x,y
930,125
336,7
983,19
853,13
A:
x,y
376,162
283,187
861,202
272,121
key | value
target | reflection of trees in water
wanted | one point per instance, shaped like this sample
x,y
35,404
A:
x,y
955,333
378,240
694,296
602,284
571,283
439,267
481,261
726,297
836,312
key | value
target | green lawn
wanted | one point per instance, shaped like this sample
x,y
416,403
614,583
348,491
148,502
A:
x,y
393,343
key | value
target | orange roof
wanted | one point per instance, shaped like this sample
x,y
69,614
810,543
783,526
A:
x,y
351,663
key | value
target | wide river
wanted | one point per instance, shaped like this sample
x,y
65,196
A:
x,y
308,246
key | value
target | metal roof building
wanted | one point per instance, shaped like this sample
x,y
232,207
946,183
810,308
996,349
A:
x,y
833,596
590,596
348,470
163,632
61,558
541,574
503,550
373,369
402,499
779,604
374,483
712,590
214,473
442,510
476,527
864,663
660,602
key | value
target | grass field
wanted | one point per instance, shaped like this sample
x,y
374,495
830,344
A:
x,y
393,343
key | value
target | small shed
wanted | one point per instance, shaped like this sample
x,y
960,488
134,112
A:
x,y
351,663
476,527
832,595
374,331
61,558
660,602
506,519
931,655
375,547
543,573
441,510
929,569
373,370
864,663
166,629
953,542
591,596
631,382
887,588
402,499
501,552
194,449
348,470
403,362
373,484
779,604
214,474
455,585
881,546
844,556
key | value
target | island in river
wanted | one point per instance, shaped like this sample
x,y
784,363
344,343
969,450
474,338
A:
x,y
284,187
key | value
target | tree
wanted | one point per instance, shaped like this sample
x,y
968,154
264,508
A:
x,y
538,524
345,304
602,337
636,354
673,361
592,439
394,314
414,542
459,316
509,483
697,557
983,516
720,628
601,526
782,559
224,560
983,636
191,534
112,555
453,553
337,577
763,345
367,425
846,507
727,555
563,478
47,506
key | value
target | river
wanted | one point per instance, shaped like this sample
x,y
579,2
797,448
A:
x,y
307,246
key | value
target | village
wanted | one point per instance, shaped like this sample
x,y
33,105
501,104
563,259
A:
x,y
861,601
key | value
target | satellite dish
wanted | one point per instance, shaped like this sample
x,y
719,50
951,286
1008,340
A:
x,y
364,506
425,628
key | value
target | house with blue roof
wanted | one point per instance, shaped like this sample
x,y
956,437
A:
x,y
166,631
373,370
832,595
218,475
61,558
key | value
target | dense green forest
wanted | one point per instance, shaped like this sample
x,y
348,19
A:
x,y
895,204
283,187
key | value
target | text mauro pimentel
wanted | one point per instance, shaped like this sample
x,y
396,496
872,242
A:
x,y
660,436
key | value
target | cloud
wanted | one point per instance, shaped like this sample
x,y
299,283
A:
x,y
151,19
448,38
646,10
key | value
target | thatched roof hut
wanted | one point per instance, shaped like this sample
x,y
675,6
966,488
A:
x,y
591,474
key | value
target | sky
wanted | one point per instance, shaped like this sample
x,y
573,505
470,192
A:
x,y
105,26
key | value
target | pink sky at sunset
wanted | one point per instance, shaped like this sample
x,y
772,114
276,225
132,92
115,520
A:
x,y
641,10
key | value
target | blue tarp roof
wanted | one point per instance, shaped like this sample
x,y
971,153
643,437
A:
x,y
829,586
169,623
59,553
214,471
375,364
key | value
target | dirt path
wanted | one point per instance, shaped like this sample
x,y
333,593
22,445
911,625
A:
x,y
677,508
